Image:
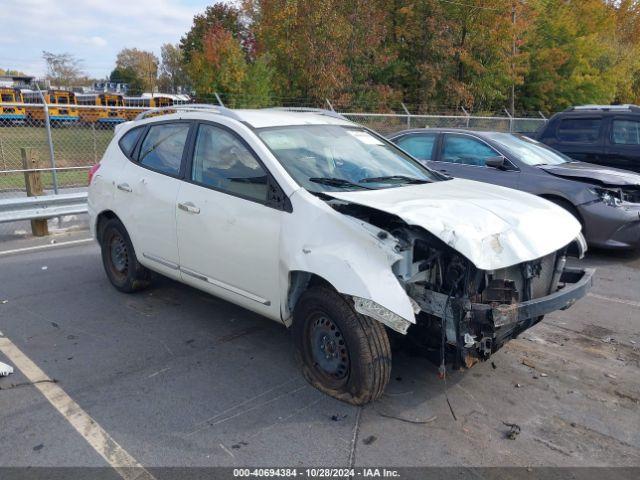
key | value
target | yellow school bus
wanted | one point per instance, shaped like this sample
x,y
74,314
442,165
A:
x,y
144,103
11,113
102,113
61,103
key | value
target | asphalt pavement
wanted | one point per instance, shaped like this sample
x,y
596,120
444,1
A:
x,y
176,377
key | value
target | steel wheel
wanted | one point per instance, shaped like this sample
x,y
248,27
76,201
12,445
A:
x,y
118,255
328,348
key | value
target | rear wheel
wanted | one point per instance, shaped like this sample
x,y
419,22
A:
x,y
341,352
119,259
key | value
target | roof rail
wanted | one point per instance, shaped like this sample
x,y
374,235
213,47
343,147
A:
x,y
612,108
191,107
319,111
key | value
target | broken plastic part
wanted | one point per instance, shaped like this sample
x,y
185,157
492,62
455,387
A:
x,y
384,316
469,340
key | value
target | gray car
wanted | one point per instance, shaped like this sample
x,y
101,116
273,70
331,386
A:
x,y
605,200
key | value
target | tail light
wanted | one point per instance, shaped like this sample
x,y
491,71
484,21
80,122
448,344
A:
x,y
93,171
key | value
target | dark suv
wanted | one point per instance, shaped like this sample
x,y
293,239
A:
x,y
607,135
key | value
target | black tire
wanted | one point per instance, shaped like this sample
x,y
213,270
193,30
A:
x,y
360,364
119,258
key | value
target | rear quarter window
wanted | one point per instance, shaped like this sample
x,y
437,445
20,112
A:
x,y
129,140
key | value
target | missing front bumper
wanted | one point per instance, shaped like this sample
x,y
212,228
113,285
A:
x,y
489,326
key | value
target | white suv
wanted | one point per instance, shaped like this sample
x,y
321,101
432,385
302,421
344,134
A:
x,y
326,227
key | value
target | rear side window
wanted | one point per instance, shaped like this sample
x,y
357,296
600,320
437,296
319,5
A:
x,y
579,130
222,161
466,150
129,140
162,148
419,146
625,132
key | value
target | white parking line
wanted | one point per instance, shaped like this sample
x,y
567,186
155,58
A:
x,y
615,300
45,247
116,456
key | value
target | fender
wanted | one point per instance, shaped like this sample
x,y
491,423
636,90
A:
x,y
344,251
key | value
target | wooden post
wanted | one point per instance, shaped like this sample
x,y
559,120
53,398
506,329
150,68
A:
x,y
33,182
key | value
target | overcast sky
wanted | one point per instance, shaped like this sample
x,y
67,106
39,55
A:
x,y
92,30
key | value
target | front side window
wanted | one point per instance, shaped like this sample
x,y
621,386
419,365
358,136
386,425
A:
x,y
338,158
466,150
579,130
625,132
163,146
528,150
222,161
420,146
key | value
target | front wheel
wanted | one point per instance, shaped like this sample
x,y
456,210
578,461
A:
x,y
341,352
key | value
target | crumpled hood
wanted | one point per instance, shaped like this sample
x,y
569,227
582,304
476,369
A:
x,y
494,227
591,173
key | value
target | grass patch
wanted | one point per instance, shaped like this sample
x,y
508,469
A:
x,y
66,178
74,145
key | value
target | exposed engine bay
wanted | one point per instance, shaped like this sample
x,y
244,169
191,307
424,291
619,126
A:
x,y
464,311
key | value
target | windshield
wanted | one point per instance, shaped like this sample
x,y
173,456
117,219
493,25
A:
x,y
336,158
528,150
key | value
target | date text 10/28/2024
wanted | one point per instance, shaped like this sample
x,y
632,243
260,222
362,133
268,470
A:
x,y
317,472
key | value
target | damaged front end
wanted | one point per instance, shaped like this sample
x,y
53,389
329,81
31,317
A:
x,y
459,308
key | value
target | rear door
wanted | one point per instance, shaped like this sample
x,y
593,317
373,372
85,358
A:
x,y
463,156
146,193
622,148
581,138
228,234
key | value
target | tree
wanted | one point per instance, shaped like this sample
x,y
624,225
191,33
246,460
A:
x,y
173,77
143,63
257,87
128,75
308,42
11,72
572,58
219,15
627,46
220,66
63,69
430,53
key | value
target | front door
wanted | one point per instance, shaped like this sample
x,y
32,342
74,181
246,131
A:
x,y
228,237
464,156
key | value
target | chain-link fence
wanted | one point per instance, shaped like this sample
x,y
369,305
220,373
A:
x,y
62,142
388,123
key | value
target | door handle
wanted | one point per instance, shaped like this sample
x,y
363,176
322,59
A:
x,y
189,207
124,187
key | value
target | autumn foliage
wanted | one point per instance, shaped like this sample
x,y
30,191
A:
x,y
431,54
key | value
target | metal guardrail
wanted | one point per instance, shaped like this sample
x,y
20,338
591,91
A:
x,y
42,207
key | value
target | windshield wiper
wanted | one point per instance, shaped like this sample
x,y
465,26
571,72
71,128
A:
x,y
337,182
394,178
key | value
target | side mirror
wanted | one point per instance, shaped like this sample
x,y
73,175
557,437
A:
x,y
496,162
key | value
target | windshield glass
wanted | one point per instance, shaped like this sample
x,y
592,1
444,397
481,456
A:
x,y
528,150
337,158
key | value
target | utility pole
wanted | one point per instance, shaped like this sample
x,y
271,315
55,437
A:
x,y
513,61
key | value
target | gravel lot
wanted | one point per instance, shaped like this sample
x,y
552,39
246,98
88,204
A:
x,y
180,378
